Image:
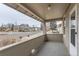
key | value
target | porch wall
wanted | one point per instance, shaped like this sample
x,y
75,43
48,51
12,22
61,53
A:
x,y
55,37
66,34
78,27
24,48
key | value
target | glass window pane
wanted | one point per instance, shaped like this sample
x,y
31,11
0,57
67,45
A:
x,y
54,27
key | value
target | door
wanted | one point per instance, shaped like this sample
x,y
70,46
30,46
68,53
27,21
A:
x,y
73,31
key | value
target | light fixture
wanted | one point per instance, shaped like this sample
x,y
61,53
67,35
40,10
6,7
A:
x,y
49,6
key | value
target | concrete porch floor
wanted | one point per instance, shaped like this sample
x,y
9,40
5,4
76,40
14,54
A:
x,y
53,49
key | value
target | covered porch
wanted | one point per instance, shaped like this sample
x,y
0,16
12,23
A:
x,y
45,43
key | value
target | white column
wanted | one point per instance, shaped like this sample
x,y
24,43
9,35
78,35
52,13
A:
x,y
44,28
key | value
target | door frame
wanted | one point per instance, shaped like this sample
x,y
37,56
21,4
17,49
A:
x,y
72,49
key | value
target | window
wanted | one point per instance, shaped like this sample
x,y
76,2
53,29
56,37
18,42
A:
x,y
54,27
15,25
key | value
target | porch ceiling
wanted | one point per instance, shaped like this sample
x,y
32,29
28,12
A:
x,y
40,10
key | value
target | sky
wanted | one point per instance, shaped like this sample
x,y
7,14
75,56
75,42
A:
x,y
9,15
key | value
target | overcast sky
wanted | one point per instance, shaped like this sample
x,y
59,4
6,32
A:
x,y
9,15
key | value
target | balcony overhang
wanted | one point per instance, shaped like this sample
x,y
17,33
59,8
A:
x,y
39,11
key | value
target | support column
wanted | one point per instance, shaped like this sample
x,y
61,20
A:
x,y
44,28
44,31
63,26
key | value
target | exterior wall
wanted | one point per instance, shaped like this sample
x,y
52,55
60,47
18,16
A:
x,y
55,37
24,48
78,26
66,34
